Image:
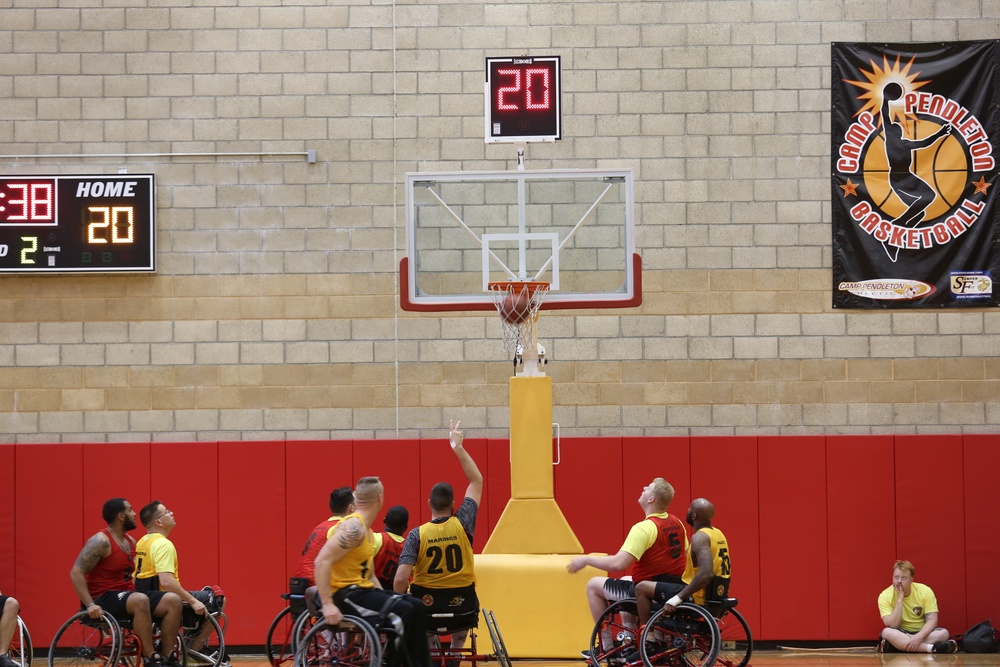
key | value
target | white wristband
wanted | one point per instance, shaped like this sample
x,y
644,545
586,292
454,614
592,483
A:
x,y
674,601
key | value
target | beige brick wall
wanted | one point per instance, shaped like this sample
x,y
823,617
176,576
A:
x,y
274,310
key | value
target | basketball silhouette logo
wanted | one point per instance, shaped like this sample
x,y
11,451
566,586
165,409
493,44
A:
x,y
944,167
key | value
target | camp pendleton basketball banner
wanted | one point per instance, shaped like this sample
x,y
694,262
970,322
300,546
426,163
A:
x,y
915,132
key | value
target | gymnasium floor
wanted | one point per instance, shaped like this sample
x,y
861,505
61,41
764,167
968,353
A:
x,y
770,659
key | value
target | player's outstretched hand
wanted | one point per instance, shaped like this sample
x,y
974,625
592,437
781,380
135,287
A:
x,y
455,437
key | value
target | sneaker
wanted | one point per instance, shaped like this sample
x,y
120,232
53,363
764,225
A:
x,y
7,661
585,654
950,646
155,660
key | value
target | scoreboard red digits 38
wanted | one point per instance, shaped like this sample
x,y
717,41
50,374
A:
x,y
523,99
77,224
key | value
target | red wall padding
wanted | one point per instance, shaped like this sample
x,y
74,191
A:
x,y
982,525
861,511
814,522
397,464
251,551
7,505
185,478
48,528
588,468
312,470
724,470
793,530
930,519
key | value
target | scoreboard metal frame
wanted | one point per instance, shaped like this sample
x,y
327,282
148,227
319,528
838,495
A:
x,y
523,99
76,223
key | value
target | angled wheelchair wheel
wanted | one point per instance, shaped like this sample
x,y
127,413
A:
x,y
205,648
688,637
20,645
614,641
350,643
303,624
736,640
279,647
499,648
86,642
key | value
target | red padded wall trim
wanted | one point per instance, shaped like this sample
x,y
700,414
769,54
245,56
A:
x,y
397,464
724,470
49,494
497,484
587,466
113,470
793,468
251,516
647,458
861,511
982,535
185,478
8,498
312,470
930,519
439,464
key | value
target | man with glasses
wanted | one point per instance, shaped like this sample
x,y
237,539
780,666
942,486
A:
x,y
102,578
156,568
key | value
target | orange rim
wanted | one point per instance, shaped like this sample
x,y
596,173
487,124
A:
x,y
530,286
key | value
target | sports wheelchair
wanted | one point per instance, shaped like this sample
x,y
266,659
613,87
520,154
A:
x,y
20,649
83,641
442,624
692,636
289,626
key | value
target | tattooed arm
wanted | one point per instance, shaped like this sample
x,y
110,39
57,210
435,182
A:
x,y
346,536
96,548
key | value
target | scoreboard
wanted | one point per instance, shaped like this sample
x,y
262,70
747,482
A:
x,y
78,223
523,99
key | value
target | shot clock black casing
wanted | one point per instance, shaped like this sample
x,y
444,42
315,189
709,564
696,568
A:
x,y
523,99
89,223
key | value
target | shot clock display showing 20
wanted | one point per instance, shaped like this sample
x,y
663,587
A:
x,y
523,99
77,224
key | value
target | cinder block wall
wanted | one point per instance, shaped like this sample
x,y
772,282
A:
x,y
274,310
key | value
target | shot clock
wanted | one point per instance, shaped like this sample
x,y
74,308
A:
x,y
523,99
77,224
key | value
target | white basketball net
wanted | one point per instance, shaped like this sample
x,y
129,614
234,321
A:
x,y
518,304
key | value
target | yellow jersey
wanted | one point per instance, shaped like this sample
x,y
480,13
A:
x,y
721,567
356,565
154,553
445,558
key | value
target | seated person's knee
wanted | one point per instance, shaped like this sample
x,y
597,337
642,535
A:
x,y
11,607
137,603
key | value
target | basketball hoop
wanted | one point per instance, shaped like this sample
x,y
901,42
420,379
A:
x,y
517,304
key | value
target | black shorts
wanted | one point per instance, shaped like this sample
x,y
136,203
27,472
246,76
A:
x,y
887,647
114,602
461,601
665,590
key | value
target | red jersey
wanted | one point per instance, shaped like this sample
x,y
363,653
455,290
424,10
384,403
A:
x,y
317,538
386,561
114,571
666,555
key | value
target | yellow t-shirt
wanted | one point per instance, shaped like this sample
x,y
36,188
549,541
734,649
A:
x,y
920,602
154,553
721,567
356,565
